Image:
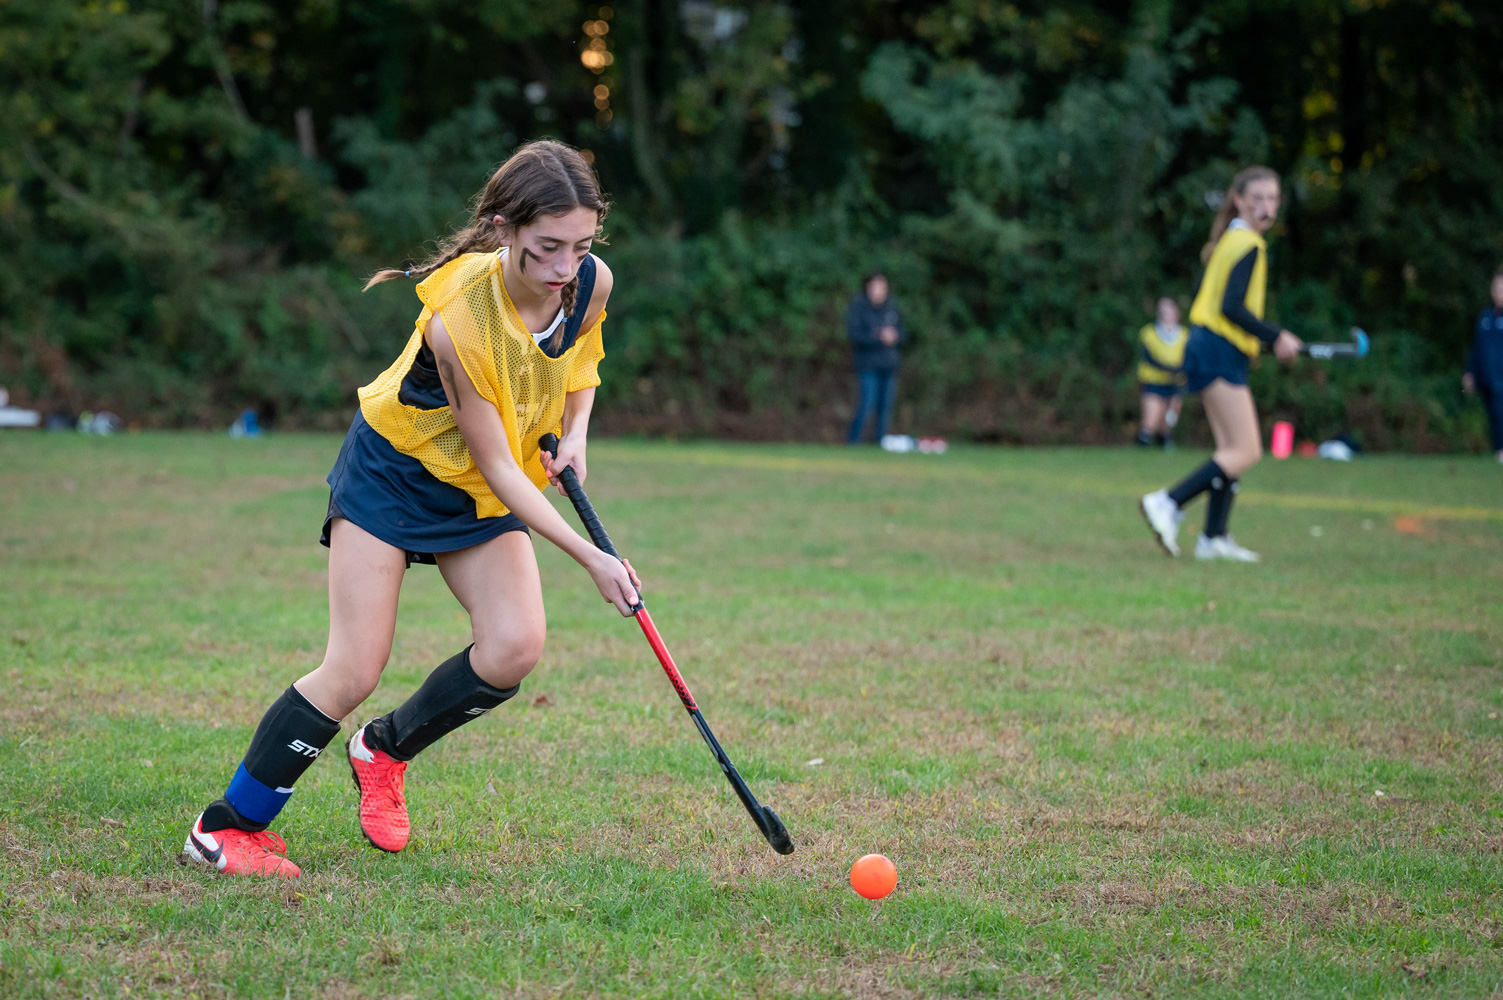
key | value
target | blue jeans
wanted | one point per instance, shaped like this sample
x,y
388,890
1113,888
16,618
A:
x,y
878,389
1492,402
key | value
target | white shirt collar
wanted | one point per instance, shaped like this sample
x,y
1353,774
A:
x,y
1241,223
540,337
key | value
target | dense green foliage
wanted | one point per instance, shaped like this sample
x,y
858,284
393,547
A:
x,y
191,190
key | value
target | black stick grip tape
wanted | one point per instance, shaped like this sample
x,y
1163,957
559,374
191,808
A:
x,y
581,500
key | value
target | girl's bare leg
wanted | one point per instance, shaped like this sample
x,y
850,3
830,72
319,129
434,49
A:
x,y
498,584
365,580
1154,407
1234,423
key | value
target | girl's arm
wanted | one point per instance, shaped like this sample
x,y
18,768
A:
x,y
1234,307
571,443
485,435
1234,302
579,403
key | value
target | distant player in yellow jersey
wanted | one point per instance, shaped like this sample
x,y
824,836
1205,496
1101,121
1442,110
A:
x,y
1227,331
442,465
1161,376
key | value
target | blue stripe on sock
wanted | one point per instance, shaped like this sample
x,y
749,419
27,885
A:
x,y
253,800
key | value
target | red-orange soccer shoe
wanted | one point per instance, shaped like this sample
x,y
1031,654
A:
x,y
239,852
383,807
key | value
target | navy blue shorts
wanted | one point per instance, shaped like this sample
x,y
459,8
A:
x,y
1167,391
392,496
1209,356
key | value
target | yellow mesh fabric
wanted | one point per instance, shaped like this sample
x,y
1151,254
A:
x,y
1206,309
1170,358
508,368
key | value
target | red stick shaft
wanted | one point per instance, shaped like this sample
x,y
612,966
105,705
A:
x,y
666,659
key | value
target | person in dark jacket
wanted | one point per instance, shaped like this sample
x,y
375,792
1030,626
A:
x,y
876,332
1484,367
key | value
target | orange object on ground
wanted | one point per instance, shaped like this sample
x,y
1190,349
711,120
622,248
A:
x,y
873,876
1412,526
239,852
383,806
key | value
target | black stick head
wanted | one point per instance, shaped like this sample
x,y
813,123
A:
x,y
775,832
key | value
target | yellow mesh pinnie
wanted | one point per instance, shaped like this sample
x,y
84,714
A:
x,y
509,369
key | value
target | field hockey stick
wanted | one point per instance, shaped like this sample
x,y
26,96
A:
x,y
767,821
1356,349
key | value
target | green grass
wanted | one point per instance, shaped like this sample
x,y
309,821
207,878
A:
x,y
1100,772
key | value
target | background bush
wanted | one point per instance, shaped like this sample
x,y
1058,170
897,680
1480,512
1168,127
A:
x,y
1032,174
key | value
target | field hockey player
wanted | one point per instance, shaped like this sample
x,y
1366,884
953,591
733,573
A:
x,y
1227,331
1161,376
442,466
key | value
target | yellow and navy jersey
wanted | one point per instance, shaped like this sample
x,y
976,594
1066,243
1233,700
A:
x,y
508,364
1161,357
1230,298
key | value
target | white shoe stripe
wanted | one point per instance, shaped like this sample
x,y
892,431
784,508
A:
x,y
359,750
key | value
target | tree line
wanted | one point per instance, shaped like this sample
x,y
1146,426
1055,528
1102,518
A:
x,y
192,190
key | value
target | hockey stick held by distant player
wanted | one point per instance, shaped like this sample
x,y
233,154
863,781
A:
x,y
1356,349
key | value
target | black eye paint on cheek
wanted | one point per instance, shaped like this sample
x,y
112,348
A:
x,y
528,253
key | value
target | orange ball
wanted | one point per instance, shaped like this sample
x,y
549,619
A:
x,y
873,876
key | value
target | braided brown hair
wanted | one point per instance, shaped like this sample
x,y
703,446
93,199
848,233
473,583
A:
x,y
545,177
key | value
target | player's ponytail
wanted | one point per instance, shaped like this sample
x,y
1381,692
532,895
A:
x,y
545,177
1227,211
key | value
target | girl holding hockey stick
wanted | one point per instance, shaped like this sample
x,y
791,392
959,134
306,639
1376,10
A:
x,y
1227,331
442,466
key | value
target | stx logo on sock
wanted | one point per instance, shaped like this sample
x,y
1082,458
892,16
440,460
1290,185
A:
x,y
304,749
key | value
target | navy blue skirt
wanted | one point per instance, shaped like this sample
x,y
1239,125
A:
x,y
1209,356
1155,389
392,496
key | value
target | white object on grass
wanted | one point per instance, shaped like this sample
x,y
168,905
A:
x,y
1222,547
897,443
1338,451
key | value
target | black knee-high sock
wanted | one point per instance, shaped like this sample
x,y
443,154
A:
x,y
1219,506
292,734
1145,438
451,696
1197,482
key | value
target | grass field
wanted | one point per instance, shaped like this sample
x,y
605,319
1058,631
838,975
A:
x,y
1099,771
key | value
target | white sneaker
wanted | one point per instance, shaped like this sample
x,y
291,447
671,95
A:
x,y
1163,516
1222,547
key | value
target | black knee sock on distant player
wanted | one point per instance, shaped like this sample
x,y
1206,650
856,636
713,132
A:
x,y
292,734
451,696
1145,439
1219,506
1197,483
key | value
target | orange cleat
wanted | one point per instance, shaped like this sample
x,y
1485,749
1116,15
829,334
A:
x,y
383,807
239,852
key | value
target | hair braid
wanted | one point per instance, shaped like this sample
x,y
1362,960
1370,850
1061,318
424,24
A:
x,y
480,236
545,177
567,296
